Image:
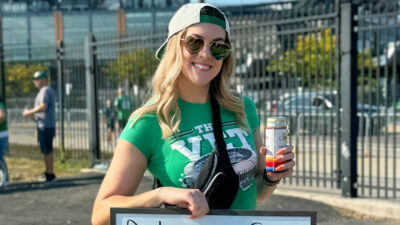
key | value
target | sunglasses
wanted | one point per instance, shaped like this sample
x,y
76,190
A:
x,y
219,49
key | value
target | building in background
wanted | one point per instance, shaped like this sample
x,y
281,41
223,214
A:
x,y
33,23
21,6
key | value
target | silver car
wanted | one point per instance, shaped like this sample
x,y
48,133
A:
x,y
316,113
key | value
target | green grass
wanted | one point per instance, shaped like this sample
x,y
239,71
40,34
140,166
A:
x,y
73,167
27,169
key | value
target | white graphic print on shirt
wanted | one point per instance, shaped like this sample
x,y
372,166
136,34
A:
x,y
243,158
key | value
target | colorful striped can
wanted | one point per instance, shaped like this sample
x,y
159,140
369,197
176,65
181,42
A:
x,y
275,139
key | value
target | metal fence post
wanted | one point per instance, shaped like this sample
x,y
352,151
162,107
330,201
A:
x,y
153,19
91,99
338,121
29,31
2,69
348,71
60,78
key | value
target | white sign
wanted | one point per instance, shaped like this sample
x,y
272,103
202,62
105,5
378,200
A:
x,y
152,216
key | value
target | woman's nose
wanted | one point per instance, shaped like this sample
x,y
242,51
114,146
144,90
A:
x,y
205,51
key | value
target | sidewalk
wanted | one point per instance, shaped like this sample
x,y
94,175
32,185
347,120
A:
x,y
368,207
371,207
70,201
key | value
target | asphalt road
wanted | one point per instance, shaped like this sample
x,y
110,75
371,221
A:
x,y
69,201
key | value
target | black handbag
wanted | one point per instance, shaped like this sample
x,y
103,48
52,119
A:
x,y
217,178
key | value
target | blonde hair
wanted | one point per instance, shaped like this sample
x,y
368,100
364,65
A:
x,y
163,99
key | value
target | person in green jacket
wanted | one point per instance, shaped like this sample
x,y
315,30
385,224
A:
x,y
124,106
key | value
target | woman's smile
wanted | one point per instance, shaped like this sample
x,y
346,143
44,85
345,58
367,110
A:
x,y
202,66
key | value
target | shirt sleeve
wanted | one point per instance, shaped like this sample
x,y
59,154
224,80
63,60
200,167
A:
x,y
40,97
251,114
47,95
144,134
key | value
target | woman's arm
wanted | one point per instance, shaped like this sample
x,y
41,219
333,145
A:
x,y
265,191
122,179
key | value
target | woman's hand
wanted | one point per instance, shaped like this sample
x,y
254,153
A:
x,y
191,199
285,155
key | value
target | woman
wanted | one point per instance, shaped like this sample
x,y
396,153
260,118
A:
x,y
172,133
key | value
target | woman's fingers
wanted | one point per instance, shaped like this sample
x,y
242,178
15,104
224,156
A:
x,y
192,199
286,166
198,205
277,176
285,150
286,156
284,170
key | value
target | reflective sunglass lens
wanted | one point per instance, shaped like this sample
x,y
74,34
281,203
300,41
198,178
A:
x,y
194,45
220,50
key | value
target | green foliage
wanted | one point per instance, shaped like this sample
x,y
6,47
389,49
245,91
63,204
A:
x,y
314,56
137,67
20,78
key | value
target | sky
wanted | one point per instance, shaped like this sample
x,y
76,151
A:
x,y
235,2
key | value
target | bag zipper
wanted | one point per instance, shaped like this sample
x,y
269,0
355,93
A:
x,y
212,181
214,168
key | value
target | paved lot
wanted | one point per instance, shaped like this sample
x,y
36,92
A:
x,y
70,200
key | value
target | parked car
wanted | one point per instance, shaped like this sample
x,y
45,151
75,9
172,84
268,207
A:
x,y
316,113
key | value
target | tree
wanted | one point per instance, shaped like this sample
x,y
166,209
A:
x,y
19,81
136,67
314,57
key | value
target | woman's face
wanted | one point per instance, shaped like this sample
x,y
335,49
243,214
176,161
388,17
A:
x,y
199,69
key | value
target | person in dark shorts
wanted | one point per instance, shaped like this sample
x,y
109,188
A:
x,y
44,114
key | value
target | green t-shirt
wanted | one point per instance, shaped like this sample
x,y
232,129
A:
x,y
3,125
177,160
124,106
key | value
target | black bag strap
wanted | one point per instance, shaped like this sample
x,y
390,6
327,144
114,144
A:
x,y
217,126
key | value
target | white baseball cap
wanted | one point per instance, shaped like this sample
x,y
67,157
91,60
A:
x,y
189,14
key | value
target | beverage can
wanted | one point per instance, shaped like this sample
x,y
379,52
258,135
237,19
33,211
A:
x,y
275,139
